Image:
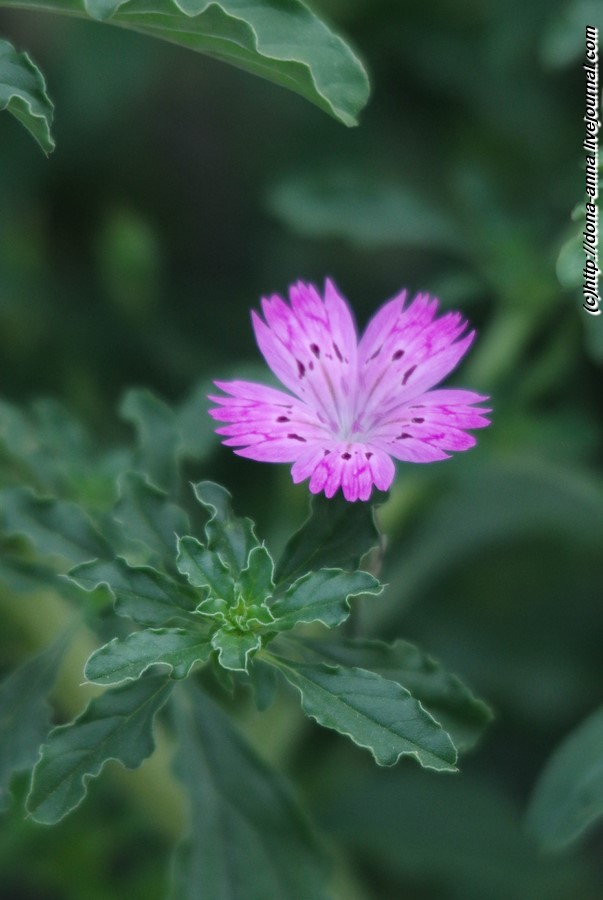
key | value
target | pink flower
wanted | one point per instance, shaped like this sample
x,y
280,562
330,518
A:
x,y
353,405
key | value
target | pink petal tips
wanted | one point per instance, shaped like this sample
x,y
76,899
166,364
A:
x,y
351,405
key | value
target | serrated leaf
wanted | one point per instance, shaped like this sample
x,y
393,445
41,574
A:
x,y
442,694
25,714
337,534
321,597
55,527
235,648
568,797
248,839
23,93
374,712
232,538
204,569
150,519
158,436
117,725
284,42
122,660
141,593
255,581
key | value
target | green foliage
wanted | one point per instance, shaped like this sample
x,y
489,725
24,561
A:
x,y
55,527
129,659
442,694
230,538
25,713
374,712
118,725
149,521
23,93
247,836
141,593
568,797
285,42
321,597
335,534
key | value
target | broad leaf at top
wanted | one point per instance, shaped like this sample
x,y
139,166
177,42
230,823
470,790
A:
x,y
337,534
282,41
23,93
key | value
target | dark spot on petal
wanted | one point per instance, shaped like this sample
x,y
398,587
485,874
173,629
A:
x,y
283,419
401,437
346,455
296,437
337,352
326,452
301,369
418,421
375,354
315,350
311,365
407,374
368,455
397,355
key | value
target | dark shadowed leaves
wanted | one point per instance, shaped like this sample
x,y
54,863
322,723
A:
x,y
247,840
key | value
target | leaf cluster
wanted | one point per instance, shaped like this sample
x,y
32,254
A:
x,y
199,600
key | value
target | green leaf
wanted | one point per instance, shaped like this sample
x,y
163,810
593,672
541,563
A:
x,y
235,648
24,576
128,659
158,437
374,712
55,527
255,581
284,42
337,534
230,537
321,597
25,714
150,519
568,797
366,210
117,725
141,593
248,839
23,93
442,694
204,569
196,427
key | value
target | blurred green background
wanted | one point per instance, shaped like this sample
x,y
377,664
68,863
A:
x,y
180,191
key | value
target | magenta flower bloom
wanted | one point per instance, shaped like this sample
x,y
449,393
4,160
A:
x,y
353,405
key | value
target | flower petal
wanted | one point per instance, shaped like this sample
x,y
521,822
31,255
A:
x,y
267,424
311,347
405,352
422,431
353,467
